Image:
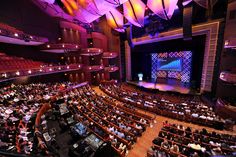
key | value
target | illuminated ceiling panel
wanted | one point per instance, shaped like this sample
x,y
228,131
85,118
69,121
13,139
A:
x,y
87,12
115,20
163,8
134,11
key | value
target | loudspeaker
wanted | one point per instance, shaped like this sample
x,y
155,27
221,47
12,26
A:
x,y
129,36
187,22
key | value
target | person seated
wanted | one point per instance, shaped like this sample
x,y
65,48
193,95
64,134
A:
x,y
111,136
152,152
165,144
122,147
138,126
188,129
175,148
195,154
143,121
216,151
166,124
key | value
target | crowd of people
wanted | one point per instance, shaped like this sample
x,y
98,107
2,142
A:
x,y
177,140
187,108
112,123
19,105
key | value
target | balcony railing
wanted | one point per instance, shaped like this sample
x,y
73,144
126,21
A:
x,y
9,75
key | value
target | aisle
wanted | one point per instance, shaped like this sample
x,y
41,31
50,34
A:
x,y
143,143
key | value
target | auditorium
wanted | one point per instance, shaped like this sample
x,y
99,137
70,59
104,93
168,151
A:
x,y
117,78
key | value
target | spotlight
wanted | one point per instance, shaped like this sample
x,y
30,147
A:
x,y
68,67
31,37
29,71
63,45
76,46
79,66
16,35
59,38
50,69
100,67
90,68
88,50
59,68
48,46
17,73
40,70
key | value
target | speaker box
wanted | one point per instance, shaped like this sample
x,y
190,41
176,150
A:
x,y
187,22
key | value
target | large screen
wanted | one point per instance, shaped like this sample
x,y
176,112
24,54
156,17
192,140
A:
x,y
169,64
175,65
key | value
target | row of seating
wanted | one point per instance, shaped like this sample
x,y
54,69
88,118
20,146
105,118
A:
x,y
185,108
176,140
12,63
106,121
19,105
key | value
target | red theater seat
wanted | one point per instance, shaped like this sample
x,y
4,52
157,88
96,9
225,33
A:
x,y
12,63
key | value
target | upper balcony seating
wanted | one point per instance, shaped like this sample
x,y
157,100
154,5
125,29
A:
x,y
12,63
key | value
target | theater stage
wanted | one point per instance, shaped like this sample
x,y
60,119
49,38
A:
x,y
168,85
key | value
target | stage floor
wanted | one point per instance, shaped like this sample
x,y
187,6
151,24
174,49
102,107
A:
x,y
162,86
